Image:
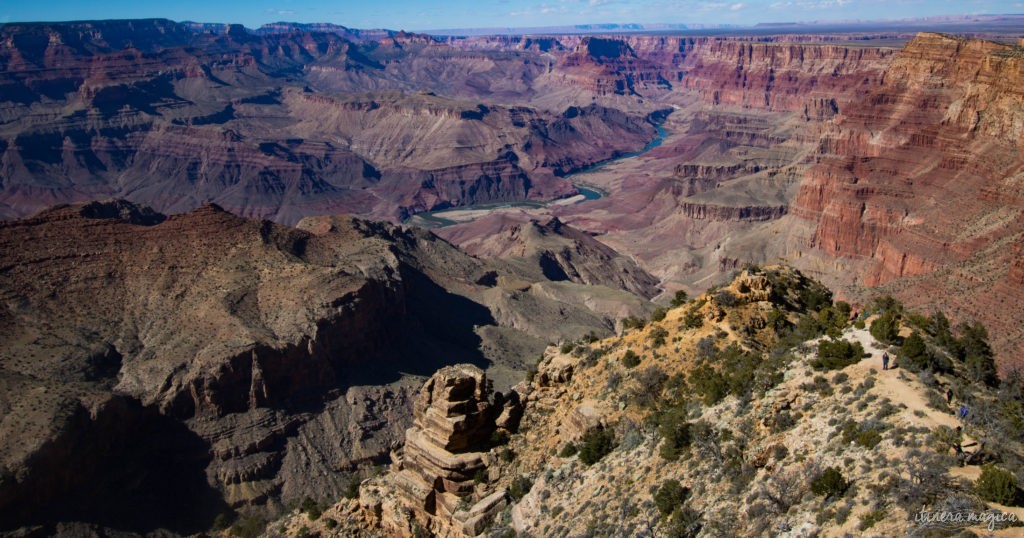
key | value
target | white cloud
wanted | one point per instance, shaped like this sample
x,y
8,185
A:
x,y
810,4
543,9
736,7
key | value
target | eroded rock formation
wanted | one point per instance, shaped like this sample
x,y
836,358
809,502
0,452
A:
x,y
438,478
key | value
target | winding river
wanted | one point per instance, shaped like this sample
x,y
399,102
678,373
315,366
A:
x,y
436,219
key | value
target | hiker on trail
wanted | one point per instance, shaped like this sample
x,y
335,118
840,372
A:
x,y
949,396
885,360
963,411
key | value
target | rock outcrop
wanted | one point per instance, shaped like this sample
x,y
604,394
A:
x,y
444,458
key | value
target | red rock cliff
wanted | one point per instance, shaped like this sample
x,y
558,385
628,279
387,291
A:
x,y
922,178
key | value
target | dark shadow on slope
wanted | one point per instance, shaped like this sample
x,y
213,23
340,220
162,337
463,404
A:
x,y
122,466
383,334
551,268
442,326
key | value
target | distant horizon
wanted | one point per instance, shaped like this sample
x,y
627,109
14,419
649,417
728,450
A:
x,y
428,16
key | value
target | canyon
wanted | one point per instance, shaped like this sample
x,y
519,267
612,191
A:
x,y
207,240
300,371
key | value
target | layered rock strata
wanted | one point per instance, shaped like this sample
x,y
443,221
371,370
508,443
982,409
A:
x,y
919,183
437,478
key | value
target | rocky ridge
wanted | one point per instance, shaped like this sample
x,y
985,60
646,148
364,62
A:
x,y
691,456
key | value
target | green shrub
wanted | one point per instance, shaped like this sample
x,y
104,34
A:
x,y
693,319
998,486
886,303
837,354
974,339
709,383
914,351
819,385
567,347
630,359
977,354
727,299
834,318
649,384
829,483
815,296
869,438
352,492
568,451
982,369
920,321
330,523
886,328
865,435
248,527
675,432
706,349
679,298
596,444
519,488
670,495
939,328
869,519
657,336
778,320
683,523
311,508
738,372
632,322
658,314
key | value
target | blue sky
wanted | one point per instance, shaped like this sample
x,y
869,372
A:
x,y
430,14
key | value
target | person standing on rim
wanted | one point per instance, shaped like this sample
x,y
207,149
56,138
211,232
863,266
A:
x,y
885,360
